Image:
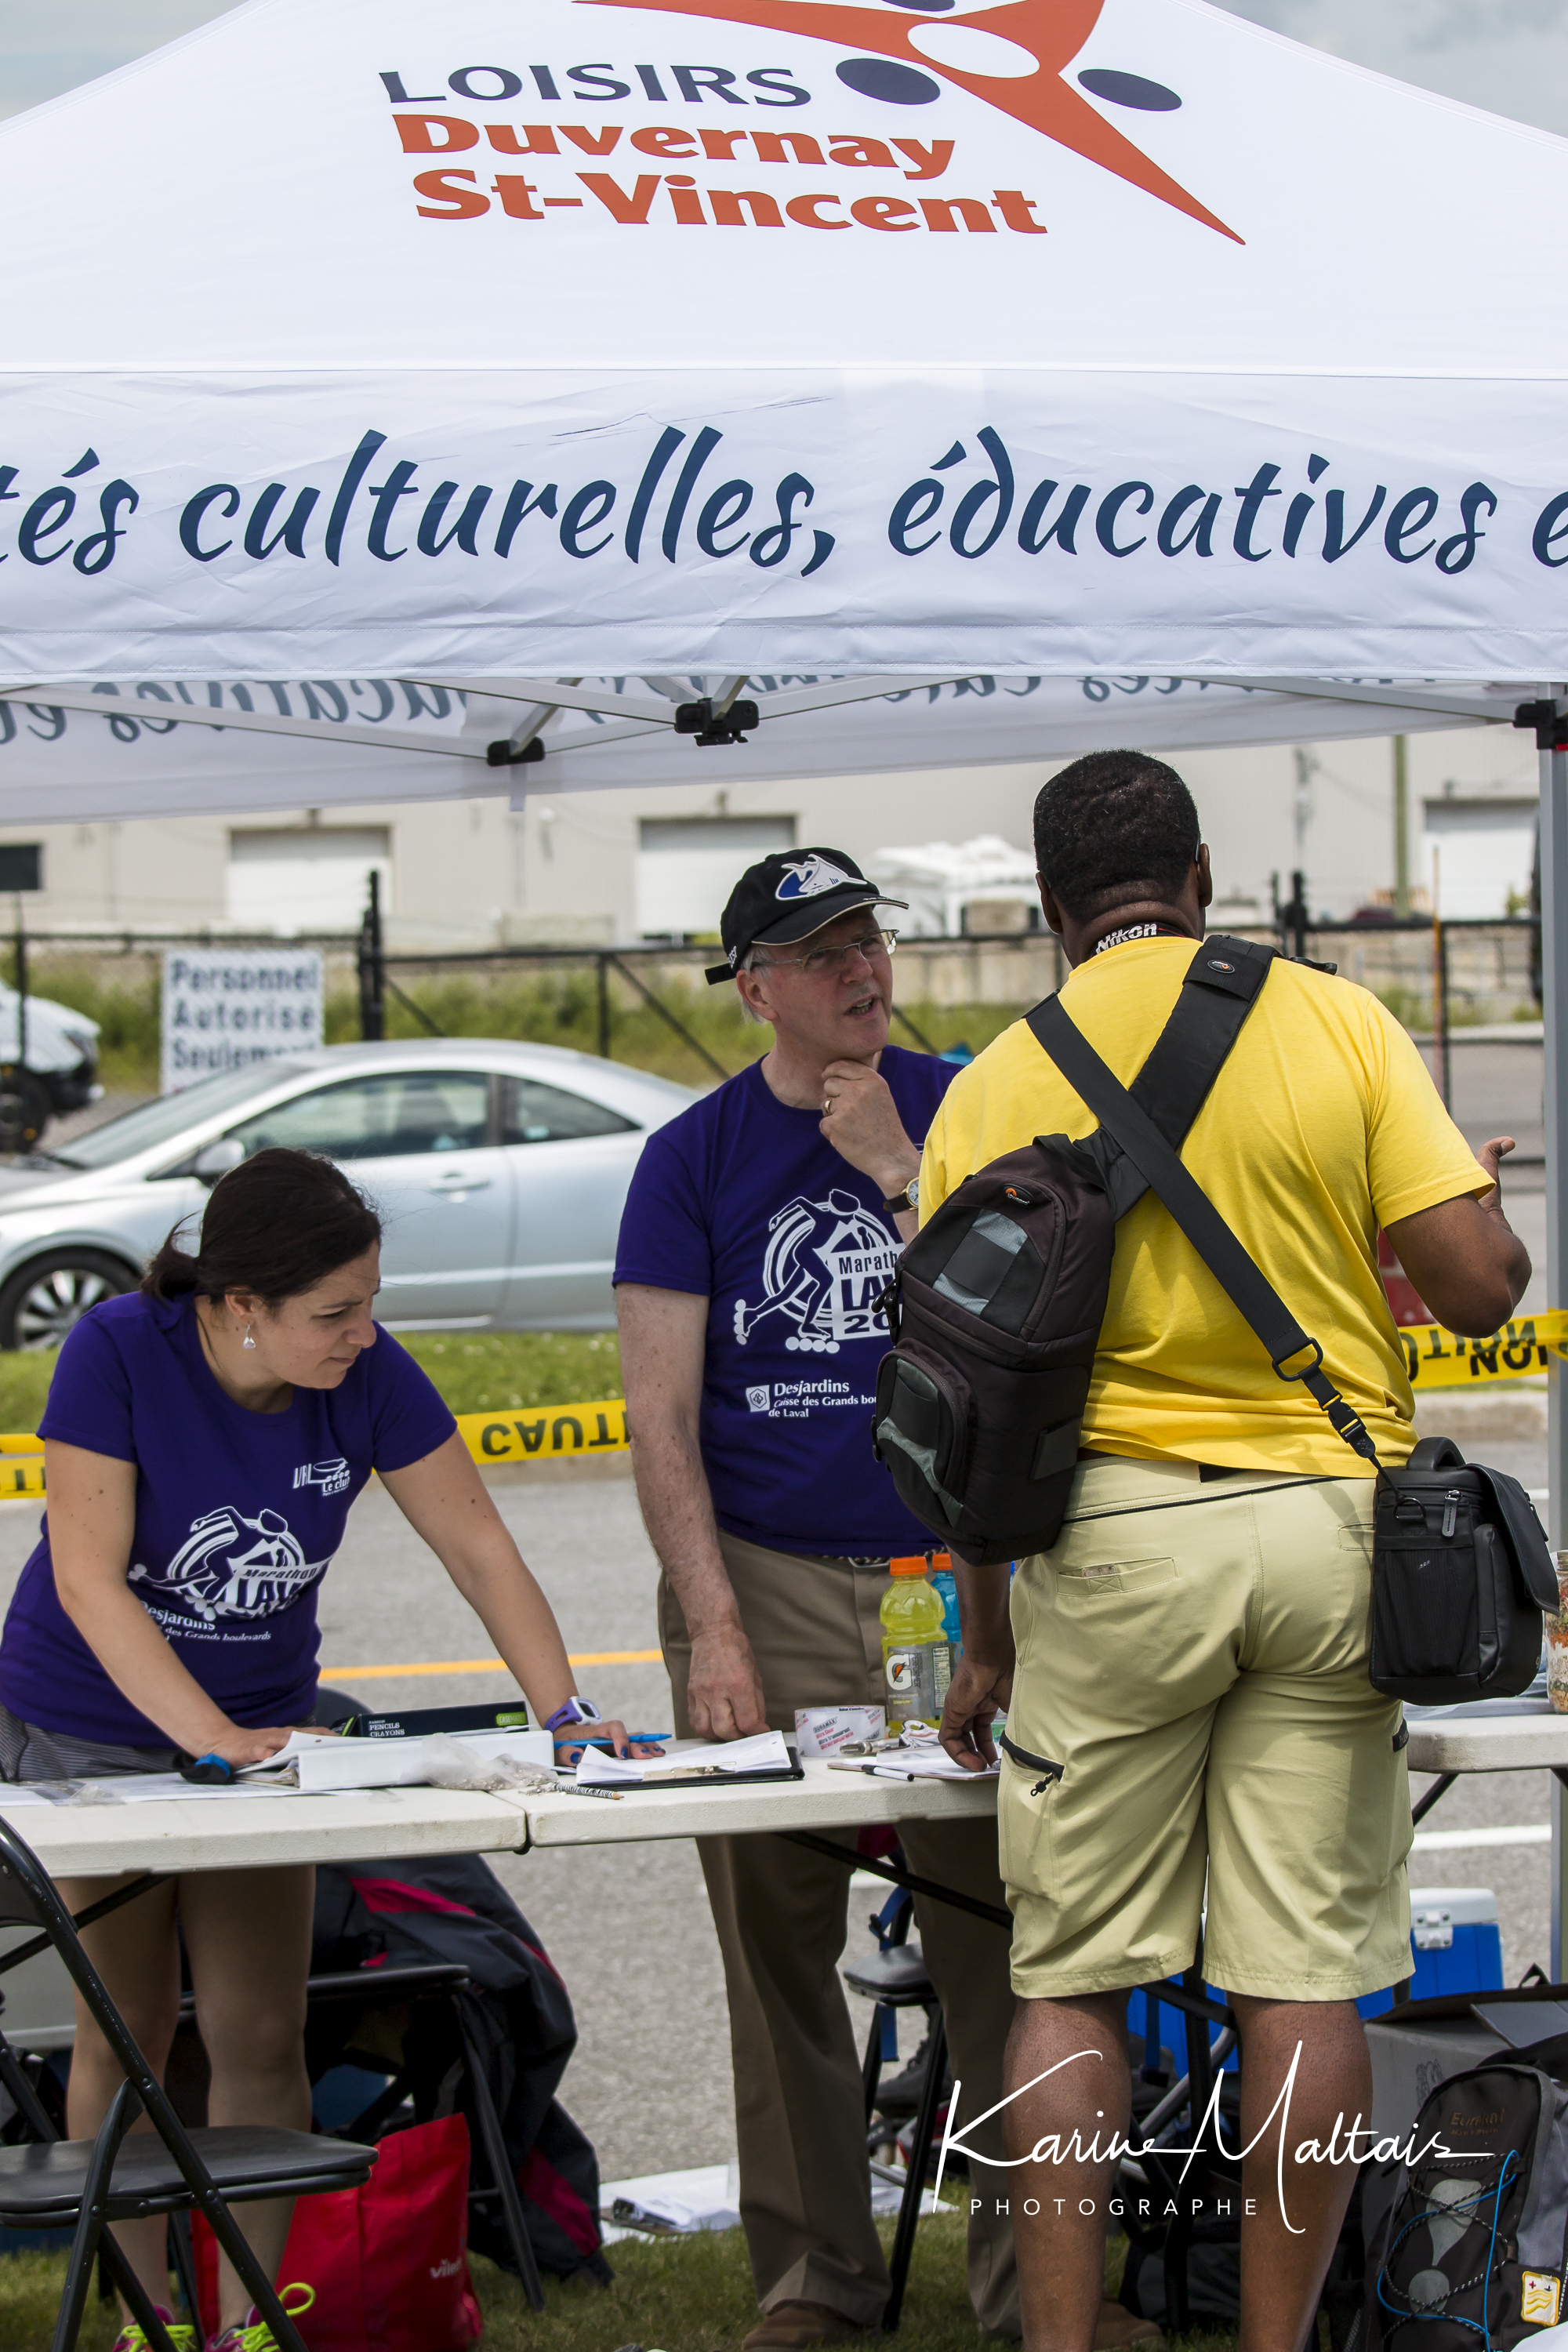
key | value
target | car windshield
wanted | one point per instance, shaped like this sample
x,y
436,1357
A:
x,y
162,1121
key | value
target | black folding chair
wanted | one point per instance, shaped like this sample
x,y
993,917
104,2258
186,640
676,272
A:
x,y
88,2185
337,2006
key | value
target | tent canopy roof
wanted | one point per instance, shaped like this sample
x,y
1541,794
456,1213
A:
x,y
899,338
1216,199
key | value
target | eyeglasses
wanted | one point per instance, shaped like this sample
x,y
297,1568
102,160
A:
x,y
833,960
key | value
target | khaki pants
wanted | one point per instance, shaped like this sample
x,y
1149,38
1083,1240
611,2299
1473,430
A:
x,y
781,1915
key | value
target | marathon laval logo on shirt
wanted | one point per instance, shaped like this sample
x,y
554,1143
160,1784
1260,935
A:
x,y
231,1566
826,1265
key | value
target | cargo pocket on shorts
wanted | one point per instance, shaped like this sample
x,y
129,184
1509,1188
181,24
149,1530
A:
x,y
1025,1810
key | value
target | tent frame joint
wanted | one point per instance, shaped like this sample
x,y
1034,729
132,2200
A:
x,y
1549,717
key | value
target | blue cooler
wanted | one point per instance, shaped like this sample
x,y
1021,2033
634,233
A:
x,y
1454,1947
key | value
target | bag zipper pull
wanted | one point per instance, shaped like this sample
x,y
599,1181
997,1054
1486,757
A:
x,y
1451,1511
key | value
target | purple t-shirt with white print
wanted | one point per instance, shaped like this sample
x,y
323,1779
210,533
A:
x,y
238,1515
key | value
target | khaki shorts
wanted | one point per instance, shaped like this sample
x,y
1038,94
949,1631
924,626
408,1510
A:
x,y
1192,1654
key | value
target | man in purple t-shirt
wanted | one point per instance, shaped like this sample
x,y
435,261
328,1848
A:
x,y
760,1232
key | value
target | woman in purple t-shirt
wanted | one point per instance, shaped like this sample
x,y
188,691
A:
x,y
204,1439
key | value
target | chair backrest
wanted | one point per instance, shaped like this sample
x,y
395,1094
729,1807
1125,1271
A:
x,y
29,1897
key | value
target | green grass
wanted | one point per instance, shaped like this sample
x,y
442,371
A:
x,y
476,1372
127,1013
24,1385
675,2295
496,1372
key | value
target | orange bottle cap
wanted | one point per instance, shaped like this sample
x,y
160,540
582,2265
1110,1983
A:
x,y
913,1566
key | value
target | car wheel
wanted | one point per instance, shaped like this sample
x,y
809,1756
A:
x,y
42,1301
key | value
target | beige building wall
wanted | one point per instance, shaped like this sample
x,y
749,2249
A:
x,y
477,873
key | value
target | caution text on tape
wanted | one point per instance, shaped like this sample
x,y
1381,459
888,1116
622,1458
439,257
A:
x,y
549,1433
552,1432
1436,1358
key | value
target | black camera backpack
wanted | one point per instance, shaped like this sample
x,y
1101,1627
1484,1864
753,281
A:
x,y
996,1312
996,1306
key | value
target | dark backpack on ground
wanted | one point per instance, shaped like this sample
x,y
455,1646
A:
x,y
1470,2246
455,1909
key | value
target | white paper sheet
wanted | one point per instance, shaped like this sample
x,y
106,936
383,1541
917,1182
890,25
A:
x,y
158,1788
764,1752
405,1763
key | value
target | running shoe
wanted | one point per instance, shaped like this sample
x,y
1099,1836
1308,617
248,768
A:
x,y
253,2334
132,2338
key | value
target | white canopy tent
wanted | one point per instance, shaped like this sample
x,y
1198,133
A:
x,y
1172,384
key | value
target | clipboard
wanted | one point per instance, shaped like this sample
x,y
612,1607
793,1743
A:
x,y
700,1779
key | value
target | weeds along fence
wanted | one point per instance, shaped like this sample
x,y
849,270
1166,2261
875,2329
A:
x,y
649,1005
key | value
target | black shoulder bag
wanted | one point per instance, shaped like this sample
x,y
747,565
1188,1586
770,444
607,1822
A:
x,y
1461,1573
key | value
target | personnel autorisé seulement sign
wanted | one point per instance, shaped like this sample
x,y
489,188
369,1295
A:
x,y
223,1008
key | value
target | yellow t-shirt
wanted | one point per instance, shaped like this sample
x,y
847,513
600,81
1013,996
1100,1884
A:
x,y
1323,1125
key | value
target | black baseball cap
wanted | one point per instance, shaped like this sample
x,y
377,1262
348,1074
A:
x,y
788,896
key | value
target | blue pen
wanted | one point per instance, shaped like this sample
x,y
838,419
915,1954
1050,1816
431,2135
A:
x,y
634,1740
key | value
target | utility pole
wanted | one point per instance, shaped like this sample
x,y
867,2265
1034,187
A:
x,y
372,967
1401,825
1306,769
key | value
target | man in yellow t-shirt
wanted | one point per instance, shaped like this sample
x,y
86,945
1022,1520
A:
x,y
1186,1668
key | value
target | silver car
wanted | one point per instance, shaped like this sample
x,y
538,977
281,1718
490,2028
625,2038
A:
x,y
500,1170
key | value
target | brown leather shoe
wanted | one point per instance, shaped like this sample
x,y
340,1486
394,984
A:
x,y
1116,2329
792,2327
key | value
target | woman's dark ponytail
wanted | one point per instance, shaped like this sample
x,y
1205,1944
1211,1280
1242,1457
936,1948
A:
x,y
276,1224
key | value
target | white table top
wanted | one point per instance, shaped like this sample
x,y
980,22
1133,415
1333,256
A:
x,y
370,1824
1488,1735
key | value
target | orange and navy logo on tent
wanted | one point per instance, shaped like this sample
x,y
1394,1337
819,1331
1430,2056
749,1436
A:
x,y
892,64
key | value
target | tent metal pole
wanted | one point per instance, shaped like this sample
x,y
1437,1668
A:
x,y
1554,991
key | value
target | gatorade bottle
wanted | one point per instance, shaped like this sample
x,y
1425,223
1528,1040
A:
x,y
917,1663
944,1584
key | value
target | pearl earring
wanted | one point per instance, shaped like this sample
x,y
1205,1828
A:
x,y
247,1341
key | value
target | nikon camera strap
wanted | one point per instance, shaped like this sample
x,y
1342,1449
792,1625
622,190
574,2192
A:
x,y
1128,1122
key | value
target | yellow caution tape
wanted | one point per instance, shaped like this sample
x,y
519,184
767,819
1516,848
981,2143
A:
x,y
1436,1358
545,1433
549,1433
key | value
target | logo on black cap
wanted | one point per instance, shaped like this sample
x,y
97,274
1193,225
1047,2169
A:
x,y
808,877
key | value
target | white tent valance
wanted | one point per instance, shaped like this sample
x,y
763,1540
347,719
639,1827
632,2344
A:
x,y
906,336
157,748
